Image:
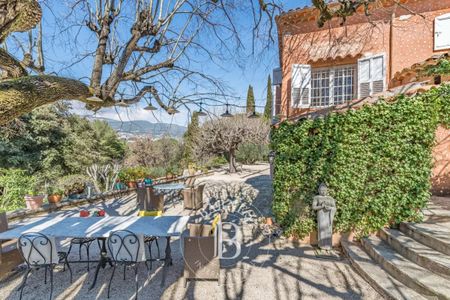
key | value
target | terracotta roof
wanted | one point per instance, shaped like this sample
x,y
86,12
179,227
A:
x,y
310,13
416,71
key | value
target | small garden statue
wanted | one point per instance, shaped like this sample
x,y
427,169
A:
x,y
326,208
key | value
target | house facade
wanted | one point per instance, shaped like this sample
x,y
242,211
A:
x,y
338,64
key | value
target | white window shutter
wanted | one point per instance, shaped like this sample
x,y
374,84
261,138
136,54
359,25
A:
x,y
442,32
301,85
371,76
363,78
377,74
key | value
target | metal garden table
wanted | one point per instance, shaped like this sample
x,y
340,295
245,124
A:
x,y
169,187
100,228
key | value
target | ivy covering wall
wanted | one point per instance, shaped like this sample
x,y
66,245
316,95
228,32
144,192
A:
x,y
377,162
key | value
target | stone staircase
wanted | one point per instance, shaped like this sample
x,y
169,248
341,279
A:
x,y
412,262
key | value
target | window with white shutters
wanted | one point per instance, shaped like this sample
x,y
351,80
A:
x,y
332,86
301,85
442,32
371,76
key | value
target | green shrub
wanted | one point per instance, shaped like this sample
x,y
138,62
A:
x,y
377,162
14,185
250,153
215,162
73,184
157,172
133,173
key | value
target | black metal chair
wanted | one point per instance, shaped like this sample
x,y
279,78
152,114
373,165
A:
x,y
127,249
39,251
86,242
148,240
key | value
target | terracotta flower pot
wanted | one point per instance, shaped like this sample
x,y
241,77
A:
x,y
34,202
54,198
131,184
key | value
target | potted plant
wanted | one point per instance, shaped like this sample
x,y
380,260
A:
x,y
34,198
54,194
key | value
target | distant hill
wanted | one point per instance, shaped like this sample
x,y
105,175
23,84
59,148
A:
x,y
138,128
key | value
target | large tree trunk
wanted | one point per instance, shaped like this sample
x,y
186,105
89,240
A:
x,y
21,95
232,161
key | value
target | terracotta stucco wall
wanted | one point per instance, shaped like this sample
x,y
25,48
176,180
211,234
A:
x,y
441,171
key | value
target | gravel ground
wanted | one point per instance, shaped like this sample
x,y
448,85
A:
x,y
266,267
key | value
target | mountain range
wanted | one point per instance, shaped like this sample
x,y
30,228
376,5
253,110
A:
x,y
141,128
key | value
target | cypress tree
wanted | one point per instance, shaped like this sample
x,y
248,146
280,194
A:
x,y
189,138
268,107
250,100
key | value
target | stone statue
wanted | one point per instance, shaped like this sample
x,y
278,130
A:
x,y
326,208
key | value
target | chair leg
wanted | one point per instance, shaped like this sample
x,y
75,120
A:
x,y
51,282
24,281
68,267
157,247
79,251
124,271
110,280
150,252
70,248
45,276
87,253
136,278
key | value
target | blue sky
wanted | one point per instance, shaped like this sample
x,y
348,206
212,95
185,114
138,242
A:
x,y
251,69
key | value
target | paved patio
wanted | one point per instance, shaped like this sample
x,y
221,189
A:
x,y
266,268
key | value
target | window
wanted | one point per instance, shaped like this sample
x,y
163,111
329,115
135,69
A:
x,y
332,86
371,75
442,32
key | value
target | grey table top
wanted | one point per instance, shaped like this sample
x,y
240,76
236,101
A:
x,y
169,186
71,227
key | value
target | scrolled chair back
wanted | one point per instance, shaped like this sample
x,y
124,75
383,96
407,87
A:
x,y
37,249
126,247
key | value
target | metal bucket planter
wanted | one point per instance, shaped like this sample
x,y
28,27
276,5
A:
x,y
34,202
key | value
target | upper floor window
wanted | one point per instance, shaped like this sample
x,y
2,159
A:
x,y
321,87
332,86
442,32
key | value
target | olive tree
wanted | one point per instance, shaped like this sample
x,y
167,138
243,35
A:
x,y
225,135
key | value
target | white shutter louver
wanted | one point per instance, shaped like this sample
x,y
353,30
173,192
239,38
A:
x,y
363,78
301,85
371,76
377,74
442,32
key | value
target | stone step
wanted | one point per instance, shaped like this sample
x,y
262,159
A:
x,y
412,275
436,236
379,279
437,212
416,252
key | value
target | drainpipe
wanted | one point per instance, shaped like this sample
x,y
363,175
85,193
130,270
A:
x,y
391,36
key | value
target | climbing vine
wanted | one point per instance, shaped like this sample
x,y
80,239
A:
x,y
376,160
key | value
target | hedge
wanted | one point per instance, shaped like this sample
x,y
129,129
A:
x,y
377,162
